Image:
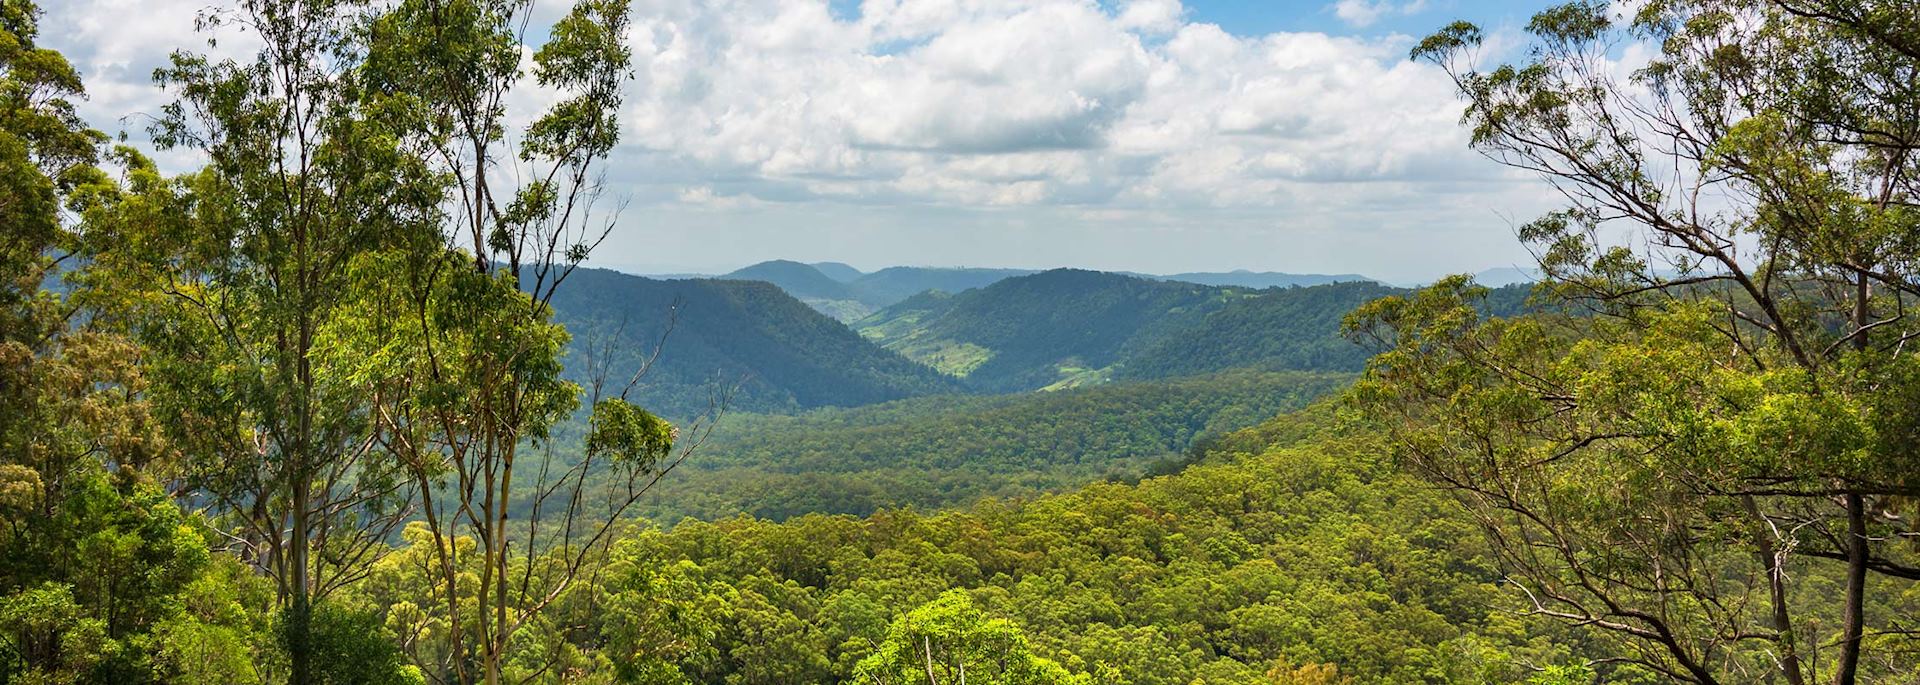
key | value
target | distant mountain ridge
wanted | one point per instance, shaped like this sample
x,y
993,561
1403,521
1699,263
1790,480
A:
x,y
1069,327
1046,330
844,273
1257,279
846,294
783,355
843,292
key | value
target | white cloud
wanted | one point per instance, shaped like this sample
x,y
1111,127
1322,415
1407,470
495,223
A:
x,y
913,98
1042,115
1363,13
1151,16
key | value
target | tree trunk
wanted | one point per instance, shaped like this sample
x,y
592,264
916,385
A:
x,y
1853,621
1770,558
926,644
300,615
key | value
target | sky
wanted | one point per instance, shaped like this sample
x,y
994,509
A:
x,y
1140,135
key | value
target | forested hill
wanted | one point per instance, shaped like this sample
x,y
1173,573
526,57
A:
x,y
1297,555
1030,332
1256,279
953,450
1070,327
782,355
844,293
839,271
1286,328
803,281
897,283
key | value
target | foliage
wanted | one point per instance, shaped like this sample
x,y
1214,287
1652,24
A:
x,y
628,434
102,577
945,636
705,341
953,450
1308,560
1065,327
1714,465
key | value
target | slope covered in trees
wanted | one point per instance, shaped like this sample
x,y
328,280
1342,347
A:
x,y
952,450
1295,554
839,271
896,283
747,337
1069,327
809,284
803,281
1031,331
846,294
1244,278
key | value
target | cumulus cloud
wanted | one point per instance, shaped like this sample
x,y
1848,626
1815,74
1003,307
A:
x,y
1028,102
1081,112
1363,13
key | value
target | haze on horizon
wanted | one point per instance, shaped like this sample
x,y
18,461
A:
x,y
1127,135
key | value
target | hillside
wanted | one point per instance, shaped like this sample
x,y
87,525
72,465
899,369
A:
x,y
1242,278
810,285
893,284
803,281
844,293
1066,327
1297,554
953,450
839,271
1283,328
783,355
1033,331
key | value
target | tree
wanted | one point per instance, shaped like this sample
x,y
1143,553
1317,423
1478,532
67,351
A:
x,y
242,264
1714,418
99,572
460,350
939,642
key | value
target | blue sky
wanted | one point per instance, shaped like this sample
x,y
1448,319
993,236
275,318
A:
x,y
1143,135
1258,18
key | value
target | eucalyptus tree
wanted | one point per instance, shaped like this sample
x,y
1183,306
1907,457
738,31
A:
x,y
1706,446
244,263
940,642
45,151
462,351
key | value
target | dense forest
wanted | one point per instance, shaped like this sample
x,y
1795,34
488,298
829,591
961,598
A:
x,y
745,343
1070,327
952,450
340,402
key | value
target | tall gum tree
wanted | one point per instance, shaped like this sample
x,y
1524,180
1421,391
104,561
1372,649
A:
x,y
244,262
461,351
1703,446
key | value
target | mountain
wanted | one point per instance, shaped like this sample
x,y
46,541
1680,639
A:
x,y
1259,279
844,273
810,285
1505,276
844,293
1032,331
1281,328
893,284
783,355
1067,327
799,280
